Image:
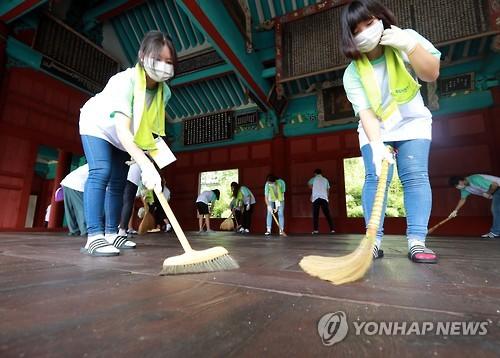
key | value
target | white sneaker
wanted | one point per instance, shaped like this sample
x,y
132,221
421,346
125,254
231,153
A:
x,y
168,227
246,231
267,233
241,230
490,235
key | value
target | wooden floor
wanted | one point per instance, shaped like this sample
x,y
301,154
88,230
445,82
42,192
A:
x,y
57,302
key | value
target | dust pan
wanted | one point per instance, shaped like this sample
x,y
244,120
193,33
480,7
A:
x,y
352,267
148,222
192,261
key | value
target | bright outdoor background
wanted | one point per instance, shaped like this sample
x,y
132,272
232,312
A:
x,y
354,177
220,179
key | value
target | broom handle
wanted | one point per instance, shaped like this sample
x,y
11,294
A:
x,y
276,220
438,225
173,221
378,203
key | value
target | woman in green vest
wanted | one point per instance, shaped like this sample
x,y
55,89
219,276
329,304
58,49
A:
x,y
386,98
274,195
244,200
121,122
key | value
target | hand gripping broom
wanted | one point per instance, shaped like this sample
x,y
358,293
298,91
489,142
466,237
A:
x,y
192,261
352,267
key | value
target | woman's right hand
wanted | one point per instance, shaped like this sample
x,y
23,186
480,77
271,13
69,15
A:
x,y
150,176
380,152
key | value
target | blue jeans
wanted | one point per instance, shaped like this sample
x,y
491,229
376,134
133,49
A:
x,y
495,210
412,160
281,216
103,193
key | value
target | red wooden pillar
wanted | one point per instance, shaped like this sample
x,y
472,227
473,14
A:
x,y
57,208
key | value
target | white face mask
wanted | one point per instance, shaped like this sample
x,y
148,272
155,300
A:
x,y
369,38
158,71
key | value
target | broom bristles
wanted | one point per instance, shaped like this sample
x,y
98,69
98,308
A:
x,y
339,270
210,260
353,266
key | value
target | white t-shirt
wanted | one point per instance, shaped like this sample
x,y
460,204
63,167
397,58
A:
x,y
166,193
414,119
96,116
77,178
206,197
47,213
320,187
134,174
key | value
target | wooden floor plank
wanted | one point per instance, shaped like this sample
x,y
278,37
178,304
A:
x,y
57,302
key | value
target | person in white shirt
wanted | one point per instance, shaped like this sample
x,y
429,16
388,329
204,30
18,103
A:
x,y
73,187
481,185
202,207
126,119
386,97
320,187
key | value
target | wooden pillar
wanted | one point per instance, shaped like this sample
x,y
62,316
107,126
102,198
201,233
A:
x,y
57,208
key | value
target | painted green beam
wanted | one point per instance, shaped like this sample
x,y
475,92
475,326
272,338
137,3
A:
x,y
201,74
23,53
13,9
109,9
212,19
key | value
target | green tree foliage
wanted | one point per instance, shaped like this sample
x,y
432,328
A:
x,y
354,177
221,180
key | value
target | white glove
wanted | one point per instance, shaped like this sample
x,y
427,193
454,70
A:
x,y
270,209
399,39
247,207
487,196
453,214
380,152
277,204
150,176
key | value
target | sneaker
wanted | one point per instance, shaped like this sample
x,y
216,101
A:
x,y
241,230
168,227
332,231
315,232
132,232
490,235
282,233
247,231
267,233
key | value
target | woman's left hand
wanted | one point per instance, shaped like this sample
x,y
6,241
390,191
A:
x,y
399,39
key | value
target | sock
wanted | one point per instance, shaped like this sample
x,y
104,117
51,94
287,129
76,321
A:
x,y
415,242
110,237
122,232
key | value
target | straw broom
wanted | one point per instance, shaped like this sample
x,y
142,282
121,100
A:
x,y
352,267
192,261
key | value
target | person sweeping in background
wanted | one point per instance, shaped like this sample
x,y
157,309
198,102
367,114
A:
x,y
245,200
129,194
73,187
387,99
118,123
481,185
274,195
202,207
320,190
